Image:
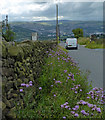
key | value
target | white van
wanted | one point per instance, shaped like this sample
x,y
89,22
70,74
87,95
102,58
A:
x,y
71,43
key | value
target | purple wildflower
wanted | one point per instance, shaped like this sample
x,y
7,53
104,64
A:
x,y
58,82
64,117
93,109
51,85
23,84
54,95
98,110
49,54
30,82
87,114
40,88
66,103
84,103
62,106
88,97
69,74
96,98
21,90
72,88
74,109
72,112
67,77
76,92
66,106
76,87
73,79
77,107
91,92
72,76
76,115
97,92
46,51
81,100
54,79
90,105
27,85
92,114
95,88
80,89
92,97
66,80
84,113
65,71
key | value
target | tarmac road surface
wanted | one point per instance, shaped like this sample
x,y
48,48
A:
x,y
89,60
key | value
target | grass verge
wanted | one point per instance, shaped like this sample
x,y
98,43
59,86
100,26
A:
x,y
93,45
62,92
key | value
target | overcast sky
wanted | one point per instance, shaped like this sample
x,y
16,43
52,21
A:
x,y
36,10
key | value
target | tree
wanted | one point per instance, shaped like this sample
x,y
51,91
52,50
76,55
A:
x,y
7,33
78,32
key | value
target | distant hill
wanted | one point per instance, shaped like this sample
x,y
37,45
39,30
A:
x,y
47,29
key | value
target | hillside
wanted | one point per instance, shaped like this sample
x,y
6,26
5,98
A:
x,y
47,29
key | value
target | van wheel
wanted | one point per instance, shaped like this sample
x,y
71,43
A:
x,y
76,48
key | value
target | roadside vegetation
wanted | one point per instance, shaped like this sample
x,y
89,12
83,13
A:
x,y
97,43
61,91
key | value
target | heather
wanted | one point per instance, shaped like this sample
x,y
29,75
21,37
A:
x,y
61,91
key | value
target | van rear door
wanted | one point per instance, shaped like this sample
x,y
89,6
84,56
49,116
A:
x,y
72,42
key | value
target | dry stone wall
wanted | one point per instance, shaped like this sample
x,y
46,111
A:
x,y
21,63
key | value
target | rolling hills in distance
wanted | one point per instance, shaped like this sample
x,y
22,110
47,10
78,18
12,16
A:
x,y
47,29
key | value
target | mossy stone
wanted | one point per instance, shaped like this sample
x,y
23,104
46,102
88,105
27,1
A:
x,y
12,102
14,50
7,71
11,114
19,81
9,85
12,95
3,105
0,63
7,103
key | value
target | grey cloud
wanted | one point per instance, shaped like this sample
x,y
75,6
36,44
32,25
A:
x,y
70,10
76,11
80,10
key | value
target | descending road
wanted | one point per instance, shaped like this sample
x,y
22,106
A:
x,y
91,60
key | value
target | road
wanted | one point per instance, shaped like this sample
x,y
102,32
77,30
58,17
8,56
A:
x,y
89,60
